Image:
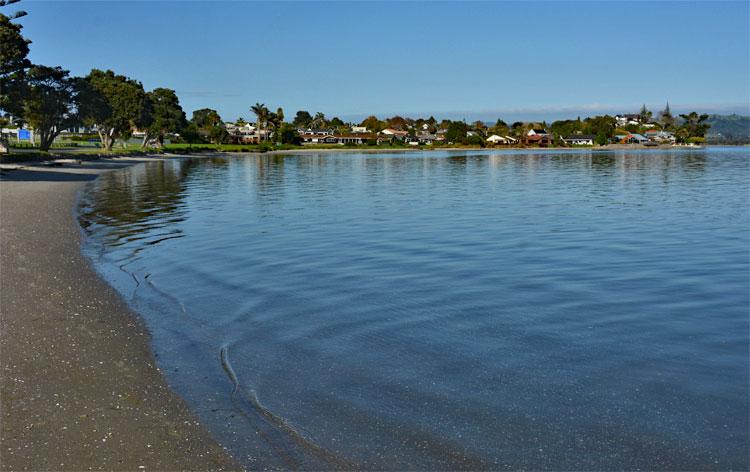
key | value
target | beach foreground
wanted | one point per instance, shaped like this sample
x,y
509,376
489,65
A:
x,y
79,387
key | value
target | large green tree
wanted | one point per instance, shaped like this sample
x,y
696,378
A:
x,y
456,132
206,124
373,124
114,105
50,104
693,126
14,49
302,119
166,113
205,118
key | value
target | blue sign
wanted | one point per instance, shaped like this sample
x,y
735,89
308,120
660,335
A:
x,y
24,134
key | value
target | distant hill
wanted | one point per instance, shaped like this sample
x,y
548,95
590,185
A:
x,y
729,129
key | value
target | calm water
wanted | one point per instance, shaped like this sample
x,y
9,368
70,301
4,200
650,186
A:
x,y
446,310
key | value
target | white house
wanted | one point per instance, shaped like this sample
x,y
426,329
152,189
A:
x,y
580,139
628,119
538,132
359,129
497,139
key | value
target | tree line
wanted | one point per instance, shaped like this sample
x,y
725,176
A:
x,y
50,100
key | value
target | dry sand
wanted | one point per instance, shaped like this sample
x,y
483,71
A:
x,y
79,388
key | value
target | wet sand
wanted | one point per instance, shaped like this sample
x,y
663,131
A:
x,y
79,388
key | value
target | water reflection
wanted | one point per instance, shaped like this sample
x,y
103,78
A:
x,y
463,310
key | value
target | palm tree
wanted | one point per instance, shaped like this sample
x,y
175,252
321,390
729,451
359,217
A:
x,y
261,112
319,121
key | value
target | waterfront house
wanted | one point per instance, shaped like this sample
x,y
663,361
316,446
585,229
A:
x,y
390,134
503,140
580,139
315,131
538,137
353,138
628,119
426,138
312,138
661,137
395,133
631,138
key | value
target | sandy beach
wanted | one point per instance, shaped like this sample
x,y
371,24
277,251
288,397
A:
x,y
80,389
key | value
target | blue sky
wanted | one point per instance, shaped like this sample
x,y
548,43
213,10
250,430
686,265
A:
x,y
482,60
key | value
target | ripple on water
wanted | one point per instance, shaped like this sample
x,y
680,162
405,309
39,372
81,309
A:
x,y
483,310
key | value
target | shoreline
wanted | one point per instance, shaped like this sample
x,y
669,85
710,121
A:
x,y
34,157
80,386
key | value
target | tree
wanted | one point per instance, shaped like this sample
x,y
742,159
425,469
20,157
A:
x,y
261,113
601,126
302,119
218,134
398,122
288,134
336,122
373,124
319,121
205,123
166,115
50,102
500,128
114,104
205,118
694,126
14,49
665,118
645,115
456,132
519,129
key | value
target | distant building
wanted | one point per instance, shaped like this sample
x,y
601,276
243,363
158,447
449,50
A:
x,y
631,138
316,132
354,138
359,129
505,140
628,119
580,139
426,138
661,137
394,132
538,137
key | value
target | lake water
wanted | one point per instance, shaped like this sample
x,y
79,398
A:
x,y
445,310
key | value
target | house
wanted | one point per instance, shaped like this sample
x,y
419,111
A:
x,y
628,119
538,137
496,139
426,138
662,137
355,138
358,138
389,133
580,139
359,129
312,138
631,138
315,132
395,133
